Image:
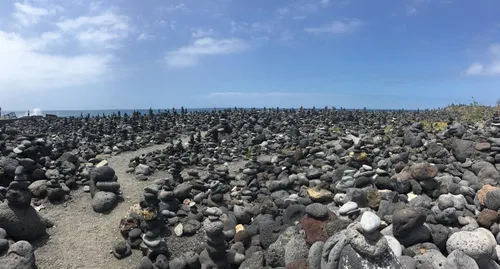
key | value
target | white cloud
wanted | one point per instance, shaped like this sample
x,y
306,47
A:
x,y
94,6
202,33
495,50
189,55
144,36
27,14
492,69
335,27
282,10
173,8
412,10
475,69
26,67
103,30
256,27
325,2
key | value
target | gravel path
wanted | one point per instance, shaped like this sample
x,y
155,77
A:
x,y
82,238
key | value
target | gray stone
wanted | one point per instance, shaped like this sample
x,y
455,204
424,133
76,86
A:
x,y
275,255
242,215
371,246
255,261
145,263
110,186
293,213
104,201
462,149
348,207
478,244
459,260
121,249
350,259
177,263
486,172
314,256
9,166
38,188
407,262
21,223
492,199
296,249
235,257
431,256
317,210
142,169
182,191
20,255
457,201
269,233
406,220
418,235
332,250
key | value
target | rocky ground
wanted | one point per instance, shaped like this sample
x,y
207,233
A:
x,y
252,189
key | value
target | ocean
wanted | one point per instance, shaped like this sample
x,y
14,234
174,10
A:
x,y
106,112
93,113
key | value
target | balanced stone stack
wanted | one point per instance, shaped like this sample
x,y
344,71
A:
x,y
367,248
104,188
214,254
495,121
19,219
175,170
153,245
169,204
55,191
150,196
18,194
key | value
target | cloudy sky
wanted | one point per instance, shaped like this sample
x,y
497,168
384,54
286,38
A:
x,y
77,54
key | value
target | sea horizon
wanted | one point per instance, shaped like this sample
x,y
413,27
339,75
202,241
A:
x,y
106,112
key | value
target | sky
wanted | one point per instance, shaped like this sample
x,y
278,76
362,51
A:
x,y
110,54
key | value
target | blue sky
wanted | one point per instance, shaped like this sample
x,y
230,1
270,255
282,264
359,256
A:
x,y
77,54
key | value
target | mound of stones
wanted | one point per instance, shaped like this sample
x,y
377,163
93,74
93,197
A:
x,y
368,196
19,222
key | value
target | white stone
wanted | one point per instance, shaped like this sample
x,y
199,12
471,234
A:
x,y
367,167
179,229
394,245
369,222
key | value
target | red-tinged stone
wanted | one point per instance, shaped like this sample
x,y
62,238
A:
x,y
315,228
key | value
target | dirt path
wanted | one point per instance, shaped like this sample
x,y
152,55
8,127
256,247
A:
x,y
82,238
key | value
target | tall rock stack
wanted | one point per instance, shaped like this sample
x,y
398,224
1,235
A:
x,y
104,187
213,256
175,170
17,217
250,177
18,194
495,121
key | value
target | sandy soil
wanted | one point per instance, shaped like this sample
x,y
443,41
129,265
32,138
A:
x,y
82,238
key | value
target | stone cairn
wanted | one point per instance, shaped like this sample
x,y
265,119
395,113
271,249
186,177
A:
x,y
175,170
213,256
250,177
18,194
104,188
19,221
